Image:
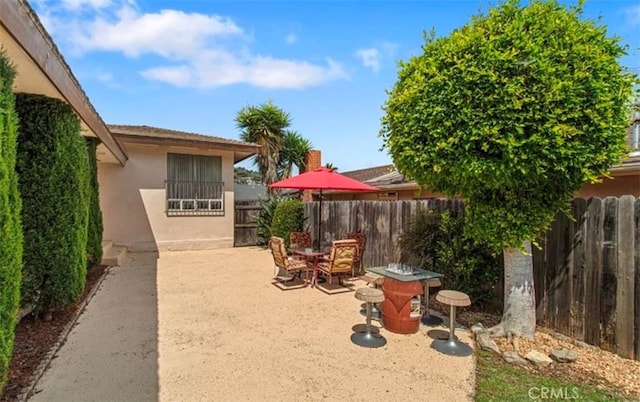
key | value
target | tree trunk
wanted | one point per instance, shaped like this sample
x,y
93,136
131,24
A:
x,y
519,316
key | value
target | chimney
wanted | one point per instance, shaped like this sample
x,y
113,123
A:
x,y
314,161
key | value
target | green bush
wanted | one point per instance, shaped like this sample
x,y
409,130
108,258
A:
x,y
94,226
53,171
265,219
436,242
10,226
288,217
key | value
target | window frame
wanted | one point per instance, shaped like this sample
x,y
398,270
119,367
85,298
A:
x,y
195,196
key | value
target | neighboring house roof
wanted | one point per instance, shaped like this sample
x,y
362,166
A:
x,y
156,135
368,173
41,69
388,179
393,180
249,192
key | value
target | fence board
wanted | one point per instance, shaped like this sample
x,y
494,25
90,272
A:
x,y
564,274
637,274
625,278
579,209
540,279
609,275
594,271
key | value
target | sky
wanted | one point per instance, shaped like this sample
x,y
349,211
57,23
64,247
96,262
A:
x,y
191,65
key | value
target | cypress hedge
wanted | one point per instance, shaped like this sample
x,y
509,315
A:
x,y
10,226
53,171
288,217
94,229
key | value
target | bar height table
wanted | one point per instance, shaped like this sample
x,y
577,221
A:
x,y
399,291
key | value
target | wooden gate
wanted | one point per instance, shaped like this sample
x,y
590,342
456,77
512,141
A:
x,y
245,226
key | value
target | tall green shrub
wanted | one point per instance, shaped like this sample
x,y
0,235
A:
x,y
10,226
265,218
94,228
288,217
53,173
437,242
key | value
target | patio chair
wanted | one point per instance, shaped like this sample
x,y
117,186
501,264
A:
x,y
283,261
300,239
361,239
340,261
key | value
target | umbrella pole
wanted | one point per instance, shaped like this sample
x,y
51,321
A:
x,y
320,223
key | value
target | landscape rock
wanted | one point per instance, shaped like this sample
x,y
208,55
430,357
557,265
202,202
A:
x,y
561,337
538,358
582,344
476,328
486,343
514,358
564,355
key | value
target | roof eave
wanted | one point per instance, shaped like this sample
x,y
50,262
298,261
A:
x,y
21,22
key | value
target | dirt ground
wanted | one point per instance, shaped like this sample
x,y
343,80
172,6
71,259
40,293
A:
x,y
229,336
209,325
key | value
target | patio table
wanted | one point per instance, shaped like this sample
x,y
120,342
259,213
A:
x,y
312,256
399,290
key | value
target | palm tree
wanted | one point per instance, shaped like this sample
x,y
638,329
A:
x,y
295,149
331,167
264,125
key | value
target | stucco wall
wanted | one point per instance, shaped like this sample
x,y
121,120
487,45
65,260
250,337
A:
x,y
132,198
616,187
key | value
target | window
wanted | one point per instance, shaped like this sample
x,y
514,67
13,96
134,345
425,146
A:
x,y
194,185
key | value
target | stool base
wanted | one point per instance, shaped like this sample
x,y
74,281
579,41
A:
x,y
451,347
368,339
428,319
363,328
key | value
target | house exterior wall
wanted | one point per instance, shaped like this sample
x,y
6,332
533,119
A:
x,y
132,198
615,187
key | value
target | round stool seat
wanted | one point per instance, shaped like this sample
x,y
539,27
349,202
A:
x,y
453,298
370,295
433,283
372,278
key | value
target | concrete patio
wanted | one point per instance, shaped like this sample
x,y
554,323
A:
x,y
209,325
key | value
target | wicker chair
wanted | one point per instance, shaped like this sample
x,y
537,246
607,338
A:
x,y
341,259
361,239
283,261
300,239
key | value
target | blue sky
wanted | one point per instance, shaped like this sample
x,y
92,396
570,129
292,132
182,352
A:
x,y
193,64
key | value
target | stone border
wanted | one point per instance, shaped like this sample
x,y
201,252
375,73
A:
x,y
44,364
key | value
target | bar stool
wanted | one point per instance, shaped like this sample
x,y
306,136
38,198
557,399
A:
x,y
369,339
376,281
428,319
452,346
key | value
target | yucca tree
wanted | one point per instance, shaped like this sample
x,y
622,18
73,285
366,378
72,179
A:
x,y
331,167
295,149
264,125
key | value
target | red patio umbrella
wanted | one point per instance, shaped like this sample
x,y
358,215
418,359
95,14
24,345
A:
x,y
322,178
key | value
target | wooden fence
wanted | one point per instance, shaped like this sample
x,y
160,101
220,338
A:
x,y
587,275
245,227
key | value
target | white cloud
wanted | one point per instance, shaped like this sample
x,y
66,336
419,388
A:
x,y
634,15
373,57
78,4
370,58
259,71
291,39
169,33
194,49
